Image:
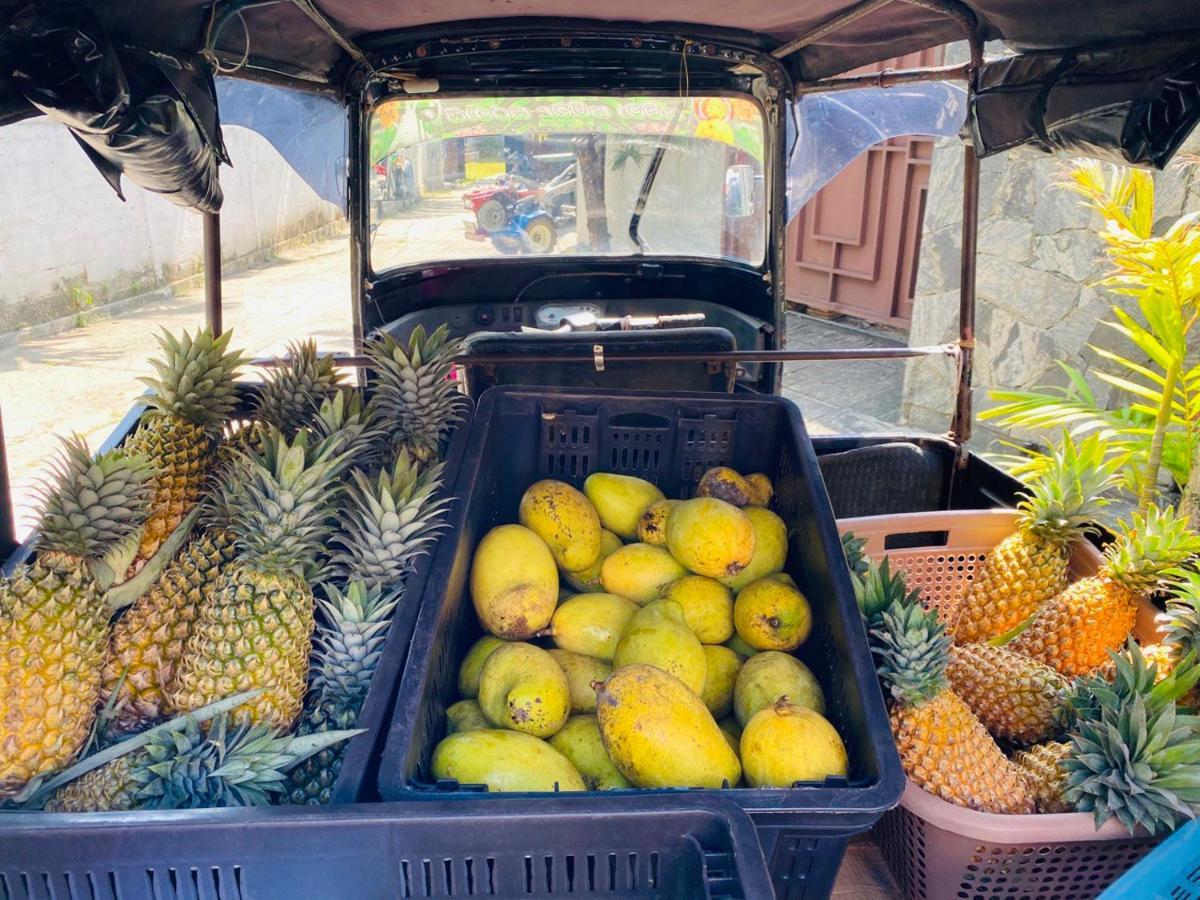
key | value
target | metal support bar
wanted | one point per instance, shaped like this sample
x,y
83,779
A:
x,y
886,78
960,426
829,26
8,527
319,18
212,272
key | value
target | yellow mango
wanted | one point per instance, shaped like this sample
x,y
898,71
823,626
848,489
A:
x,y
504,761
620,500
724,484
771,615
658,733
786,743
565,519
707,607
722,669
465,715
770,548
657,635
769,676
514,583
710,537
472,664
640,572
761,489
591,624
588,580
580,742
652,526
581,672
522,687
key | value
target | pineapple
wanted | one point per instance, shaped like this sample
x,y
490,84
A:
x,y
193,397
416,397
346,652
879,588
388,522
1045,775
53,613
354,421
1014,696
290,396
856,558
944,748
1032,565
193,768
1074,631
1138,762
254,631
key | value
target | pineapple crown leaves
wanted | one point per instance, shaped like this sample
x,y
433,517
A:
x,y
912,648
1068,487
880,588
89,505
348,644
856,557
389,521
195,379
284,499
1138,763
223,766
1183,612
413,387
1150,546
352,421
295,387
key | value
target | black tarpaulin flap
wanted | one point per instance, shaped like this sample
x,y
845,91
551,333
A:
x,y
148,117
1131,104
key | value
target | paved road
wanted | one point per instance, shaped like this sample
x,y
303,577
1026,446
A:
x,y
84,380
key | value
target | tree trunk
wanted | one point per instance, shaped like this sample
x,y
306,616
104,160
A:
x,y
589,153
1189,506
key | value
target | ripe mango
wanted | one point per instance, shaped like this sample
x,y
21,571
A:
x,y
657,635
724,484
770,548
504,761
591,624
707,607
740,647
620,500
764,678
581,672
514,582
472,664
761,489
652,526
580,742
771,615
640,572
710,537
588,580
785,578
565,519
660,734
723,666
465,715
786,743
521,687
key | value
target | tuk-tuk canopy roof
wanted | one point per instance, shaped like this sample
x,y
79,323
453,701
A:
x,y
285,35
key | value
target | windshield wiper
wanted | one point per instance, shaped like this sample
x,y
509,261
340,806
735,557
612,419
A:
x,y
639,207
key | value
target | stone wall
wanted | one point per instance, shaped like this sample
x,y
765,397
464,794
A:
x,y
1039,254
67,242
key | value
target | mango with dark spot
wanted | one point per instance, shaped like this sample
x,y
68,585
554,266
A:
x,y
514,583
710,537
565,519
521,687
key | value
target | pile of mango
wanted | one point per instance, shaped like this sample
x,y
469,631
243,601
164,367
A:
x,y
664,661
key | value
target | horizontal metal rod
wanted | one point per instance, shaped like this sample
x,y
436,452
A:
x,y
716,357
886,78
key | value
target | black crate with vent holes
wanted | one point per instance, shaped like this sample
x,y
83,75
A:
x,y
668,848
522,434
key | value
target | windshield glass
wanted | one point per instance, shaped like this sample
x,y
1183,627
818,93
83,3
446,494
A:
x,y
463,178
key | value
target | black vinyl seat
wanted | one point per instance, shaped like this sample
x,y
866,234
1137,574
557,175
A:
x,y
695,376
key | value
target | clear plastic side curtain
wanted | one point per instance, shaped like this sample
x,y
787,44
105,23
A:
x,y
308,130
827,132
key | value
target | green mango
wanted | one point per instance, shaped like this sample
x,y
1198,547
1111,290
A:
x,y
658,635
580,742
504,761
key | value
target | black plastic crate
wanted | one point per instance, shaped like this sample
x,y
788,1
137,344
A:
x,y
522,434
650,847
356,781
